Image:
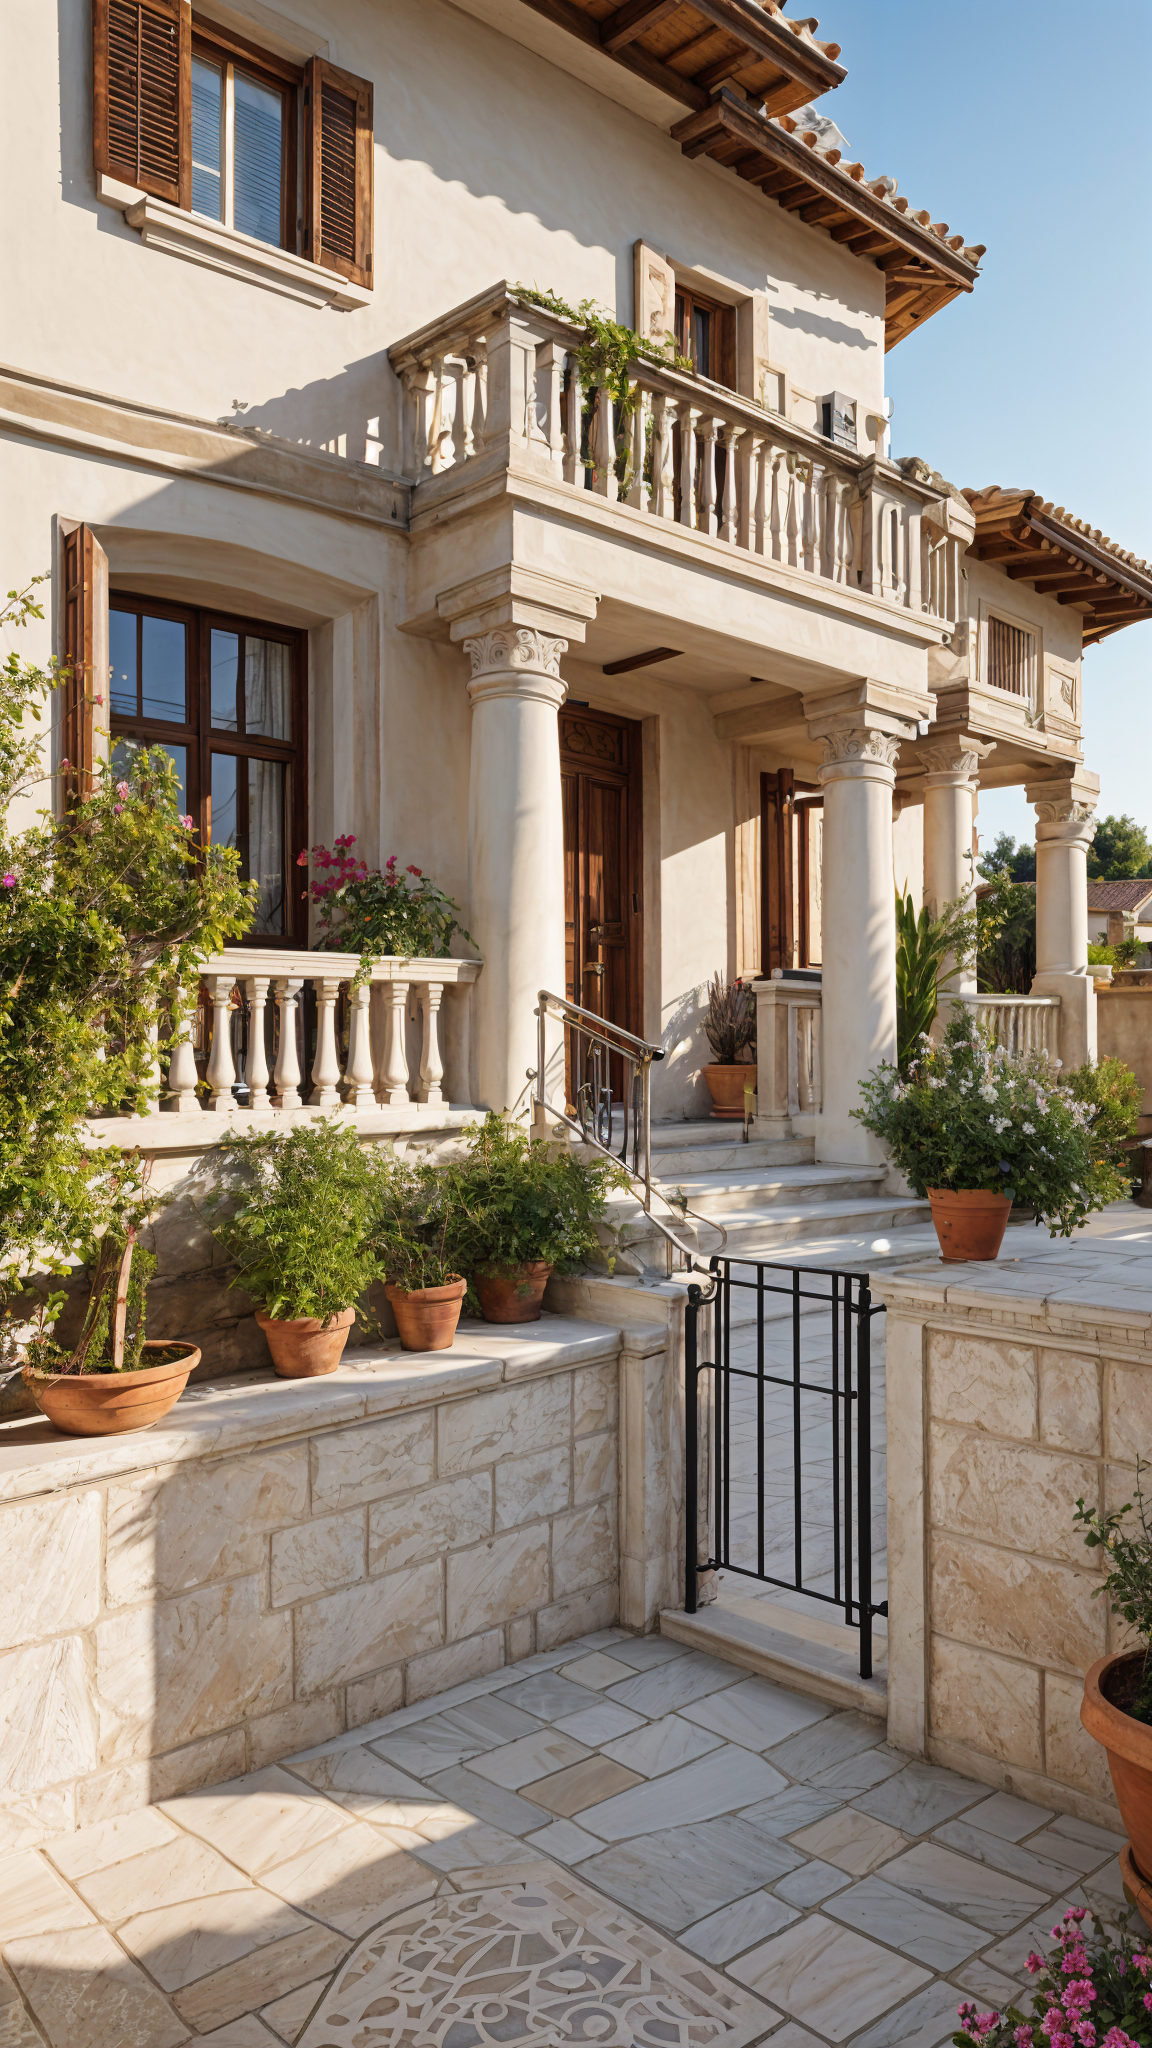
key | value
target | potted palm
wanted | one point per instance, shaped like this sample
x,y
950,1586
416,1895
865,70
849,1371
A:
x,y
293,1212
414,1239
523,1210
113,1378
730,1028
1117,1705
976,1130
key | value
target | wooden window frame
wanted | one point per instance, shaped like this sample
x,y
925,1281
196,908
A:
x,y
197,735
1031,695
221,46
722,332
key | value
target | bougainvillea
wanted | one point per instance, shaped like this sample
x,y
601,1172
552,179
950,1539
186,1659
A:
x,y
380,913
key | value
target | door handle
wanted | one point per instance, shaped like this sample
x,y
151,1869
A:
x,y
593,967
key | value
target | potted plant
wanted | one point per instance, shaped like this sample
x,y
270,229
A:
x,y
1101,960
380,913
114,1378
1117,1704
293,1213
414,1238
730,1028
976,1130
524,1209
1089,1988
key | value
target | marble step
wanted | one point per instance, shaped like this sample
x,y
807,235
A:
x,y
793,1187
820,1659
779,1230
680,1150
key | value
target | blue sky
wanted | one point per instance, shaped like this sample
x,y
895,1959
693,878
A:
x,y
1027,125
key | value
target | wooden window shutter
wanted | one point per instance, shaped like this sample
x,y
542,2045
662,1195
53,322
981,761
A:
x,y
142,114
338,160
84,722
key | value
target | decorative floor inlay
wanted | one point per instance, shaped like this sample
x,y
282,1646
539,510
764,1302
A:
x,y
543,1963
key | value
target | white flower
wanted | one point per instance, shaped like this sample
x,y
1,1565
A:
x,y
1029,1130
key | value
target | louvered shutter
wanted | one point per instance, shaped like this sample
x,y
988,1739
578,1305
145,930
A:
x,y
338,157
83,721
143,89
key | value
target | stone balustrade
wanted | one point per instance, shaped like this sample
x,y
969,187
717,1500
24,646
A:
x,y
498,382
789,1043
245,1046
1021,1024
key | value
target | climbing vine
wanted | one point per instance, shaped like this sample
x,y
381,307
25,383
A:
x,y
602,359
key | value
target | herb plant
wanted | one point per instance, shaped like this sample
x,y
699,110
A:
x,y
1127,1581
1092,1991
968,1115
521,1202
415,1225
380,914
730,1022
293,1211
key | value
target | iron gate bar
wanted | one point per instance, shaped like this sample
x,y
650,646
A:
x,y
855,1599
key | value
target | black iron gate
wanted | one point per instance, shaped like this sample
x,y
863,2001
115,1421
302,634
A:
x,y
790,1370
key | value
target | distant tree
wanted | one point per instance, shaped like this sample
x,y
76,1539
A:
x,y
1006,937
1004,857
1120,849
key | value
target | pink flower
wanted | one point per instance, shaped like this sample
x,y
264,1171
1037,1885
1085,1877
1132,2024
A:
x,y
121,789
390,863
9,881
98,700
1078,1994
413,871
186,822
117,808
1148,2001
65,763
1023,2037
302,860
1034,1964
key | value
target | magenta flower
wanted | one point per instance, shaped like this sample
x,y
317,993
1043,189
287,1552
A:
x,y
413,871
1034,1964
9,881
121,789
302,860
186,822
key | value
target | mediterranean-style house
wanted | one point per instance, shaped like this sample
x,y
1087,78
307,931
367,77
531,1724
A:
x,y
336,511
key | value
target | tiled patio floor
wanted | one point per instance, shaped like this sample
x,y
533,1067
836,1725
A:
x,y
623,1841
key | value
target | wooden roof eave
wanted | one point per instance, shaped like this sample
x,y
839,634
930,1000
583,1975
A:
x,y
805,71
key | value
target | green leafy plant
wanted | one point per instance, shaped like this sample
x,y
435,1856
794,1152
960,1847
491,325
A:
x,y
1101,956
1112,1096
111,1337
923,942
293,1211
415,1228
730,1022
1091,1988
1130,951
967,1115
1127,1580
379,914
603,358
518,1202
1120,849
1006,937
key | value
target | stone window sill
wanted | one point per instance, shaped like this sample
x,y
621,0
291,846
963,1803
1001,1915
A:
x,y
220,248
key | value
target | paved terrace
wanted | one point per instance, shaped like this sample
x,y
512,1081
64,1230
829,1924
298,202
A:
x,y
623,1841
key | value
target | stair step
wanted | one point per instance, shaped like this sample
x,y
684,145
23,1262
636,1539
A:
x,y
729,1193
732,1155
761,1637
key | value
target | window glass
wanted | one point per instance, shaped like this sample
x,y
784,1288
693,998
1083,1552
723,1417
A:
x,y
259,145
225,812
701,350
124,752
266,842
225,671
267,688
165,666
122,662
207,99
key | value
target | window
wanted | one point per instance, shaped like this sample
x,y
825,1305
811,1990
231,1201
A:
x,y
1011,658
706,334
224,697
189,112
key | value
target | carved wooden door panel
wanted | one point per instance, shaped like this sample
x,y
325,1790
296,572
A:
x,y
603,917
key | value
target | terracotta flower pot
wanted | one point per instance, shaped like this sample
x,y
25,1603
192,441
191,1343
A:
x,y
512,1294
970,1223
726,1086
426,1317
304,1347
108,1403
1108,1689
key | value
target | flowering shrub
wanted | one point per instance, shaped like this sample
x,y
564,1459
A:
x,y
1092,1992
380,914
968,1115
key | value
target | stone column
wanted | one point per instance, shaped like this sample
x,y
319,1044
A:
x,y
1066,824
952,766
859,927
515,849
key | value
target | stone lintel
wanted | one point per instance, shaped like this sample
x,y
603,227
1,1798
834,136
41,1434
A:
x,y
515,596
1068,784
867,704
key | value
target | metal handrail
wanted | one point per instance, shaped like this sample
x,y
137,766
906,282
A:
x,y
593,1100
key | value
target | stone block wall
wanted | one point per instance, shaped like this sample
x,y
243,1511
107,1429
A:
x,y
276,1562
1004,1411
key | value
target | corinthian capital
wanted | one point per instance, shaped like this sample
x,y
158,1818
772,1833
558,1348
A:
x,y
515,647
858,747
1065,810
956,757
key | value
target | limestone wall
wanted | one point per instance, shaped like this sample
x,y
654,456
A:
x,y
1013,1391
279,1561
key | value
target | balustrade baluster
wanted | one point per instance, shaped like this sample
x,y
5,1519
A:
x,y
418,384
457,435
817,1059
479,392
466,412
605,482
774,457
663,458
256,987
392,1085
708,477
182,1076
326,1065
549,383
758,479
431,1064
808,533
286,1082
688,418
728,506
829,511
574,472
440,427
792,522
358,1076
221,1065
148,1094
637,493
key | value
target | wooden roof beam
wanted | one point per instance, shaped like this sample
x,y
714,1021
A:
x,y
821,211
773,41
654,72
724,68
628,23
1107,607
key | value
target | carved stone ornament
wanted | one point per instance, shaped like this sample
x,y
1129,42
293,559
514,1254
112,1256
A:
x,y
858,745
952,760
1066,689
515,647
1065,810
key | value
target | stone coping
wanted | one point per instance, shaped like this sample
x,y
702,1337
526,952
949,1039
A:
x,y
256,1407
1085,1287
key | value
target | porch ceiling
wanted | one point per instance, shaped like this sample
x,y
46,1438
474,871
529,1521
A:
x,y
688,47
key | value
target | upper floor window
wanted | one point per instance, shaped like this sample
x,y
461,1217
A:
x,y
706,334
1011,658
191,113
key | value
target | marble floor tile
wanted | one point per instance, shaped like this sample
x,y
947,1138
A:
x,y
919,1798
581,1787
1011,1954
755,1713
599,1724
975,1891
287,2016
598,1671
926,2021
1015,1859
489,1722
855,1775
680,1875
109,1841
790,2035
735,1928
940,1940
667,1687
786,1812
258,1820
249,2032
431,1745
533,1756
1007,1816
642,1652
185,1868
852,1841
179,1943
828,1976
719,1783
86,1993
474,1845
1087,1832
991,1988
1084,1851
659,1746
827,1743
269,1973
16,2027
352,1880
33,1900
811,1884
565,1841
500,1808
366,1785
548,1696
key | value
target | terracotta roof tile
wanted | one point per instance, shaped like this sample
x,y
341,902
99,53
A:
x,y
1125,895
885,189
993,494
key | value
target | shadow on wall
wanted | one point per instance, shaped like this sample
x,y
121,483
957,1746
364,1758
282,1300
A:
x,y
678,1085
355,414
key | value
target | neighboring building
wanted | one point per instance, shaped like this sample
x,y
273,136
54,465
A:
x,y
676,691
1120,910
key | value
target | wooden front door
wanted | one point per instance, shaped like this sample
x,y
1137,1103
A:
x,y
603,903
